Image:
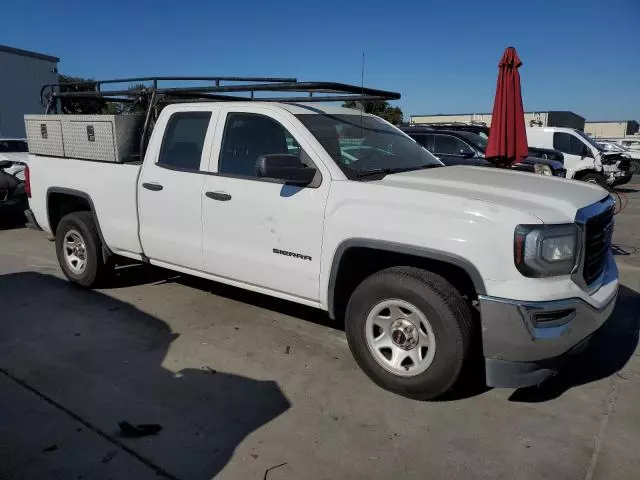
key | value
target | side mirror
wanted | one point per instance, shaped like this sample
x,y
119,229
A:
x,y
586,152
5,164
286,167
467,153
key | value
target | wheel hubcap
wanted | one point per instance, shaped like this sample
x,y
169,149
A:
x,y
404,334
75,252
400,337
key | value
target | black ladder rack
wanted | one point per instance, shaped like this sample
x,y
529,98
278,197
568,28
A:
x,y
213,90
152,97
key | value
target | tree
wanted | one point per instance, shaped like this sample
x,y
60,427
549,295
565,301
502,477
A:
x,y
380,108
98,105
74,105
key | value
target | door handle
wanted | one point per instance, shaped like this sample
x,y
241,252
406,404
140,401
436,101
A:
x,y
153,186
221,196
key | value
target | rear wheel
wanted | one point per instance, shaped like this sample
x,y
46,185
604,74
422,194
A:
x,y
410,331
79,249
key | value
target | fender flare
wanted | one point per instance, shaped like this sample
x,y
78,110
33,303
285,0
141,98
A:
x,y
424,252
85,196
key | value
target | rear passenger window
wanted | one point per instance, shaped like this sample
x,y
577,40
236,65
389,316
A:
x,y
248,136
183,140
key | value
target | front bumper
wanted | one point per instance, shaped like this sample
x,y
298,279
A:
x,y
525,343
622,179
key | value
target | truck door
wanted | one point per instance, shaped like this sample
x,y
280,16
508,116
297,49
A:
x,y
577,155
170,187
259,231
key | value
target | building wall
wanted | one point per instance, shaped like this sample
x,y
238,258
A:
x,y
611,129
21,78
465,117
543,119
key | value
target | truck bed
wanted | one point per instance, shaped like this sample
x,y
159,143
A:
x,y
113,194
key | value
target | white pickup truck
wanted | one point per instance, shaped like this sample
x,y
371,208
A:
x,y
421,261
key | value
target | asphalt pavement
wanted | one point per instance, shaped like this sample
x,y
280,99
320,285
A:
x,y
249,387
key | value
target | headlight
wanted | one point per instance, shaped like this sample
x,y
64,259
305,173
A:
x,y
545,250
542,169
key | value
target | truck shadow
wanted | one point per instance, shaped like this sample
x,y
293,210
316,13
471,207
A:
x,y
607,354
130,274
609,351
102,360
11,219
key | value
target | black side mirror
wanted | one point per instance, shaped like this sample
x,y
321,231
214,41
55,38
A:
x,y
467,153
586,153
5,164
286,167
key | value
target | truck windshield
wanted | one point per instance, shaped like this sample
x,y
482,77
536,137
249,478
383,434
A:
x,y
364,145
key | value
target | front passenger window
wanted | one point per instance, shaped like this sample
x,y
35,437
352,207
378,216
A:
x,y
248,136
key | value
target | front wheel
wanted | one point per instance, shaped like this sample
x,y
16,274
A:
x,y
410,331
594,178
79,249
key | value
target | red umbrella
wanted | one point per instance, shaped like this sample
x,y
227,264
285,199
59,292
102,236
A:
x,y
508,138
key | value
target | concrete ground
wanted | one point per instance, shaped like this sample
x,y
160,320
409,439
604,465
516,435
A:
x,y
248,387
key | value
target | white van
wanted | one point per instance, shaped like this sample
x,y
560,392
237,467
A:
x,y
584,159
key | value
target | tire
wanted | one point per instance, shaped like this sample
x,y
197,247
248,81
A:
x,y
435,300
594,178
80,226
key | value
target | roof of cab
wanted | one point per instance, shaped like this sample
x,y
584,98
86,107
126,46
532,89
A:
x,y
293,108
311,108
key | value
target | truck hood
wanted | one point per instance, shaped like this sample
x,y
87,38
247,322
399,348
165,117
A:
x,y
551,199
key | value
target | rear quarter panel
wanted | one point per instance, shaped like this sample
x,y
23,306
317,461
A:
x,y
111,187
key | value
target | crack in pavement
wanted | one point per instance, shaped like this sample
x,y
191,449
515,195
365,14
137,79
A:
x,y
611,401
145,461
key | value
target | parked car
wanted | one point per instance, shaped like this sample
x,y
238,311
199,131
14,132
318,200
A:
x,y
630,143
14,150
548,153
471,127
611,146
455,147
584,159
13,198
421,262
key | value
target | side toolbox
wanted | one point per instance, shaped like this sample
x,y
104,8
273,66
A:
x,y
44,135
103,138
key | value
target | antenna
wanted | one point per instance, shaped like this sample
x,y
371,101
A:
x,y
362,101
362,73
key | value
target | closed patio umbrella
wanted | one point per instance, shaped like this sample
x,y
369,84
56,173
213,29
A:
x,y
507,142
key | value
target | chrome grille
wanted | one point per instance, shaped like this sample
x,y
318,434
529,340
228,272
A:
x,y
597,242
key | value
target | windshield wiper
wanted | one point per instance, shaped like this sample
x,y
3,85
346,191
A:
x,y
387,171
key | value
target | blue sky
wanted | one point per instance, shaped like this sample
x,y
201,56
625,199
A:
x,y
442,56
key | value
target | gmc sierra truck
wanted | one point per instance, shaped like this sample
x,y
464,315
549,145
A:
x,y
340,210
